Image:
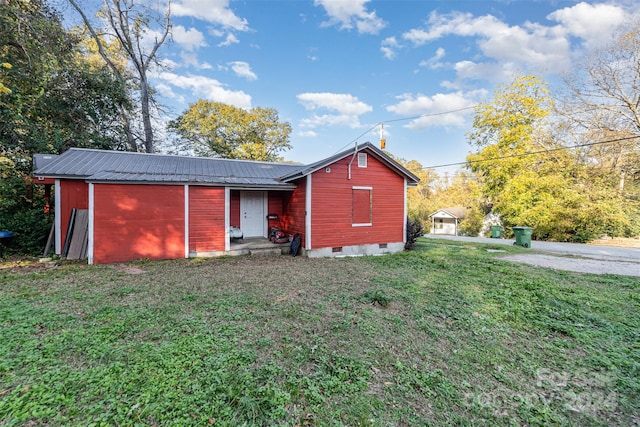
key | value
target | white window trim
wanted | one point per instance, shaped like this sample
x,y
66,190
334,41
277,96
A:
x,y
362,224
362,160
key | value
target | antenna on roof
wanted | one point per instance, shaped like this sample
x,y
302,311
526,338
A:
x,y
383,142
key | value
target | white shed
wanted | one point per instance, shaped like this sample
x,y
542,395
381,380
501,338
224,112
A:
x,y
446,220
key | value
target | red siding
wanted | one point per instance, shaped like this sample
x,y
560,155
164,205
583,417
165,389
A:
x,y
73,194
138,221
332,202
206,219
294,215
234,214
275,203
41,180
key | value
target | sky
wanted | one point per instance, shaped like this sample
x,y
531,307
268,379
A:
x,y
337,69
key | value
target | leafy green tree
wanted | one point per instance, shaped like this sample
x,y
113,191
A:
x,y
464,190
52,101
213,129
524,189
531,178
419,204
506,129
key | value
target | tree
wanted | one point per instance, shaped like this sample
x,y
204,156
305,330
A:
x,y
506,129
53,101
463,189
604,106
213,129
523,188
129,23
419,197
531,178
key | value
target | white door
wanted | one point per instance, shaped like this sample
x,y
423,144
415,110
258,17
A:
x,y
252,214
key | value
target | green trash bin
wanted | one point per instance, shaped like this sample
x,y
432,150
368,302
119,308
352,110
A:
x,y
496,231
523,236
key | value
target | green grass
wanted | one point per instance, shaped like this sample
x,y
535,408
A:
x,y
444,334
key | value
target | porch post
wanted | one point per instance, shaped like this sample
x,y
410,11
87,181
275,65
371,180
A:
x,y
307,214
91,226
404,217
227,218
57,216
186,220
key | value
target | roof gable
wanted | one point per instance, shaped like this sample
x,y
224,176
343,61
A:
x,y
412,180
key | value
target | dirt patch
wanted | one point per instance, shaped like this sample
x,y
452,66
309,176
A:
x,y
620,242
578,264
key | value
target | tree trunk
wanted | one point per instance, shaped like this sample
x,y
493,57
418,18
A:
x,y
146,116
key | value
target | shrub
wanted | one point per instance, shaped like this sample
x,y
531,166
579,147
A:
x,y
414,230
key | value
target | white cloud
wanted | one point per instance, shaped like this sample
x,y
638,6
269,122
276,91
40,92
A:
x,y
243,69
456,23
167,91
388,47
213,11
442,109
530,46
351,14
312,56
206,88
434,63
343,109
485,71
229,40
190,39
191,59
307,134
594,23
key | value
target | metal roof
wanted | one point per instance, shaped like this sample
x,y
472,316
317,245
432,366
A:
x,y
123,166
39,160
412,180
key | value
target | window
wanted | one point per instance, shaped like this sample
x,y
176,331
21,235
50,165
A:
x,y
362,160
362,206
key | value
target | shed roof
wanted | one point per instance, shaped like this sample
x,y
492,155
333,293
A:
x,y
458,212
123,166
412,180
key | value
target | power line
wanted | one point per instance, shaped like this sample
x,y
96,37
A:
x,y
431,114
404,119
532,152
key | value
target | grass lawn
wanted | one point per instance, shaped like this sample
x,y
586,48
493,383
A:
x,y
444,334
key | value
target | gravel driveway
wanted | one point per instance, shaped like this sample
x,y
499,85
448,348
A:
x,y
569,256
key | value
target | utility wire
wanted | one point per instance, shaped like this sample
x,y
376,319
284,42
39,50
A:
x,y
533,152
402,120
430,115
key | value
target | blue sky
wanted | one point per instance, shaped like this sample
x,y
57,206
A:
x,y
336,69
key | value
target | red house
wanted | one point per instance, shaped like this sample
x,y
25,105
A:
x,y
163,207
